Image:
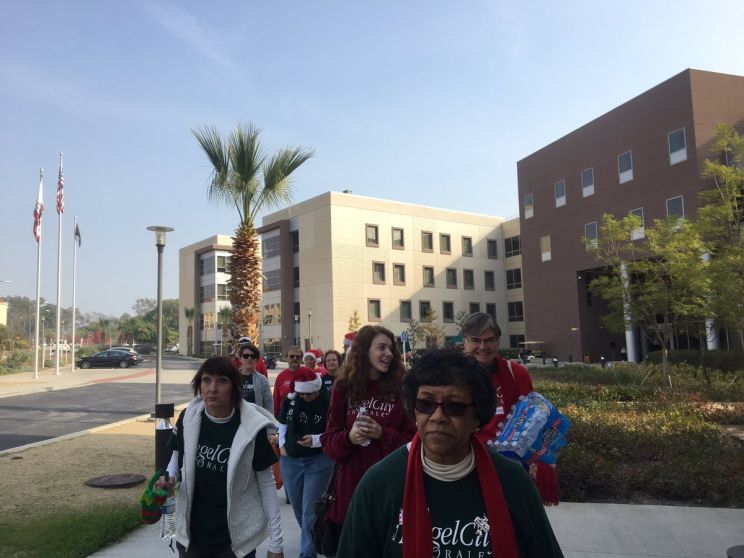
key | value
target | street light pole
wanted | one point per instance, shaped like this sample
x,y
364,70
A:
x,y
160,245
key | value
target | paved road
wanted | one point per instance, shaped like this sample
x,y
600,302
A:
x,y
30,418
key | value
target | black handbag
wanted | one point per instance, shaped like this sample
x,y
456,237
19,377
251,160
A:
x,y
326,533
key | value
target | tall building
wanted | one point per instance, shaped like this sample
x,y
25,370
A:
x,y
644,157
340,255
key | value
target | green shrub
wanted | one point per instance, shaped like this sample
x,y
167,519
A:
x,y
726,361
509,353
17,359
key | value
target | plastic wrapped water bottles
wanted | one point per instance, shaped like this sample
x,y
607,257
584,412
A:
x,y
361,411
168,518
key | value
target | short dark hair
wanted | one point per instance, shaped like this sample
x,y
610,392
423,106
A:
x,y
446,368
478,322
220,366
250,346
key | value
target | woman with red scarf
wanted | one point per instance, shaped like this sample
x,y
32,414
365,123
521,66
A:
x,y
445,493
481,336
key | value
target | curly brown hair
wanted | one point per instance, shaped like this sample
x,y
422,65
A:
x,y
356,370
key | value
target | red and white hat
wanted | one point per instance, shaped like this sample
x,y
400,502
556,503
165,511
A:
x,y
349,339
305,381
309,354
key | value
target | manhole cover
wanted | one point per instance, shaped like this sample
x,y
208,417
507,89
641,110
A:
x,y
121,480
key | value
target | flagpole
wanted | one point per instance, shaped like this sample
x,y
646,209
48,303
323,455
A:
x,y
74,284
60,210
38,275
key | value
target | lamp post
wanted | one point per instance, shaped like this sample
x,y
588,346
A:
x,y
163,412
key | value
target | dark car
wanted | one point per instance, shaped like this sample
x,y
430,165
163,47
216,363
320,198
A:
x,y
270,361
108,359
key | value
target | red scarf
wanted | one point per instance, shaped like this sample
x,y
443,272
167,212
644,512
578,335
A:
x,y
417,541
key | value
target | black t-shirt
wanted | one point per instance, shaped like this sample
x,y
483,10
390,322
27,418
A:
x,y
249,393
208,522
303,418
327,381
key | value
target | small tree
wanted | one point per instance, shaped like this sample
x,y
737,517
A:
x,y
414,332
190,313
432,333
354,322
460,319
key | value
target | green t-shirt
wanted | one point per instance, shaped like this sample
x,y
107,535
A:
x,y
373,526
208,522
303,418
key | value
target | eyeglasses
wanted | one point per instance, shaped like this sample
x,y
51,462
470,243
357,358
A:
x,y
449,408
490,341
249,355
293,357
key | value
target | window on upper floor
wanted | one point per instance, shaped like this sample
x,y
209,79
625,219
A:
x,y
271,246
467,246
206,293
206,264
272,280
427,241
515,311
625,167
451,275
424,311
374,310
511,246
529,207
295,277
559,191
491,310
428,276
677,146
223,264
223,293
405,310
294,239
468,279
587,182
398,239
445,244
373,238
489,280
473,307
590,234
545,255
378,273
514,278
675,207
448,312
399,274
492,248
640,231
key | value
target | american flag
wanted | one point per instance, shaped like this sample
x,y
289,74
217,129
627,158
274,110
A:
x,y
60,189
39,211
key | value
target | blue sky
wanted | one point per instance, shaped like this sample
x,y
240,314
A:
x,y
427,102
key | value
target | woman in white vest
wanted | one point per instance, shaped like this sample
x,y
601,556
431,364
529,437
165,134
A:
x,y
226,503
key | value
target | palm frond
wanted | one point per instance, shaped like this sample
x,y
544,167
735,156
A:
x,y
277,171
211,143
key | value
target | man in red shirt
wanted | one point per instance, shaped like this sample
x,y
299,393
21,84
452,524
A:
x,y
283,382
481,336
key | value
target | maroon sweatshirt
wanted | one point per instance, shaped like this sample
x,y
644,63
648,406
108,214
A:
x,y
353,461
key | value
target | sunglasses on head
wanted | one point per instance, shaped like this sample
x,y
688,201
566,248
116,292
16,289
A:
x,y
249,355
449,408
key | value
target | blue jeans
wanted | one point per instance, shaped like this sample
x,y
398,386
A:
x,y
305,479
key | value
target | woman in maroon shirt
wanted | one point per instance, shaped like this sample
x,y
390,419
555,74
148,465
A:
x,y
367,419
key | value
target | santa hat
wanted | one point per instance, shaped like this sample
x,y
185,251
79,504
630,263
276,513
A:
x,y
349,339
305,381
309,354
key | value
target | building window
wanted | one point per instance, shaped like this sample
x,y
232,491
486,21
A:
x,y
428,276
473,307
545,255
374,313
675,207
514,278
445,244
271,280
625,167
640,231
296,277
223,264
516,311
427,241
448,312
559,191
271,246
294,239
529,208
467,246
511,246
493,249
201,322
489,280
677,146
587,182
206,265
491,310
399,274
223,292
373,239
451,278
272,314
468,279
296,312
424,311
378,273
405,310
206,293
398,239
516,341
590,234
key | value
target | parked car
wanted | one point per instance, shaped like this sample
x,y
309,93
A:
x,y
140,358
108,359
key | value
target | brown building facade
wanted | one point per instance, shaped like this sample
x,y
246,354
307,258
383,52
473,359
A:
x,y
645,157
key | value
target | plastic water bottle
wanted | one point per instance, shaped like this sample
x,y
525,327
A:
x,y
360,413
168,518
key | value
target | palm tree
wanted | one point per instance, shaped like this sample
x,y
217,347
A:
x,y
224,316
242,176
190,313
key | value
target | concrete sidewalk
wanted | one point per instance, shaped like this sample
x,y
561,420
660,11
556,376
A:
x,y
583,531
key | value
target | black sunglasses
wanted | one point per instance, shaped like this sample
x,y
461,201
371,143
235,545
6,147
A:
x,y
449,408
249,355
